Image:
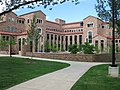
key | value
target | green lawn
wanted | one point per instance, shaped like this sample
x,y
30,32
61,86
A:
x,y
17,70
97,79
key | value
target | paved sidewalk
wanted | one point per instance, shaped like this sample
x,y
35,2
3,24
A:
x,y
59,80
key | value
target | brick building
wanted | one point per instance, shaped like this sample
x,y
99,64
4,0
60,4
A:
x,y
59,33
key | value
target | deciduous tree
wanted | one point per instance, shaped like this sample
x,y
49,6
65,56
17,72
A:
x,y
104,10
9,5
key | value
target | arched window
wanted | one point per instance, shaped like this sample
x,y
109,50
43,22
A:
x,y
90,37
39,30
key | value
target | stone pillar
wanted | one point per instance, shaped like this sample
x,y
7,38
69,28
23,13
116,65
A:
x,y
50,39
57,42
64,42
60,41
78,40
53,40
73,41
68,40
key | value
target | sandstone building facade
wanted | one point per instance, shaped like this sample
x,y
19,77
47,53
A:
x,y
91,29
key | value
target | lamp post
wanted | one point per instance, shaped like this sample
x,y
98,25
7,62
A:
x,y
113,68
113,34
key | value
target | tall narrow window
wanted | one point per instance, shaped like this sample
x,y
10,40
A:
x,y
75,38
66,39
90,37
80,39
19,44
39,30
96,42
71,40
102,45
28,21
47,36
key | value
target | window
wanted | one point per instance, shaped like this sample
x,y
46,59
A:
x,y
2,18
71,40
12,29
8,28
96,42
81,23
59,38
39,21
90,37
3,37
7,38
47,36
80,39
13,19
39,30
102,45
109,33
102,26
75,38
8,19
22,22
28,20
90,25
116,41
66,40
51,37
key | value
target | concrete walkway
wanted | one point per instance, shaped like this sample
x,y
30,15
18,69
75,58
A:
x,y
62,79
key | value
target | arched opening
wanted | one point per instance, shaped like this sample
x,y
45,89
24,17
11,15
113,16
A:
x,y
90,37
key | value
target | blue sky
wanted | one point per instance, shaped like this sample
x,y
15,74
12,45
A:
x,y
67,11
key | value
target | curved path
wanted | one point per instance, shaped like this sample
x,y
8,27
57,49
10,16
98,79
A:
x,y
62,79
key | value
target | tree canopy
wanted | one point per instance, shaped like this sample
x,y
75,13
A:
x,y
104,10
9,5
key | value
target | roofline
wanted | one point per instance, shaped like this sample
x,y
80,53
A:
x,y
52,22
93,17
72,23
32,12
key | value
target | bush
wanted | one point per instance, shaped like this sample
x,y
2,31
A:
x,y
73,48
87,48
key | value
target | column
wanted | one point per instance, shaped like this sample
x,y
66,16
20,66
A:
x,y
49,39
68,40
60,41
64,42
73,41
78,40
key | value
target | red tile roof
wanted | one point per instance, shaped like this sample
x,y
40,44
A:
x,y
72,23
52,22
8,33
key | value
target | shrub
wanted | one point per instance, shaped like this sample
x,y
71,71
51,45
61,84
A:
x,y
87,48
73,48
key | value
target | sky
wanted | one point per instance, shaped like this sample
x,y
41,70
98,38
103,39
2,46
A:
x,y
67,11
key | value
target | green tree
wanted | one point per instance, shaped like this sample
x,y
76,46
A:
x,y
97,50
4,44
73,48
33,34
104,10
87,48
9,5
47,47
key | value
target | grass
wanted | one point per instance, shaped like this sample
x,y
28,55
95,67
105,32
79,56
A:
x,y
97,79
17,70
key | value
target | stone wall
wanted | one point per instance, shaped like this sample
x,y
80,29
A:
x,y
77,57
